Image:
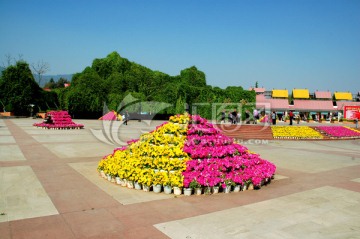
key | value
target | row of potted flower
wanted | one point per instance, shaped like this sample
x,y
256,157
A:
x,y
193,188
295,132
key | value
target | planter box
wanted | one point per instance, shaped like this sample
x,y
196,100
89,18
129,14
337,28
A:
x,y
6,113
42,115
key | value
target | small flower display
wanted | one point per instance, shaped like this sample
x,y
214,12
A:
x,y
338,131
295,132
186,152
59,120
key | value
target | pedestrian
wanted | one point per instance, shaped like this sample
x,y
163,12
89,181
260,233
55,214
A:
x,y
256,116
273,117
234,114
356,122
247,117
223,116
238,117
298,119
126,117
291,116
230,117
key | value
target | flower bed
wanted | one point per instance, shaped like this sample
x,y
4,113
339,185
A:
x,y
338,131
61,120
295,132
186,152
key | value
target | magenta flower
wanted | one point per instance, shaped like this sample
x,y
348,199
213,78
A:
x,y
217,160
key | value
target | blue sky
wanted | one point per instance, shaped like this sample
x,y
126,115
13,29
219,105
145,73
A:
x,y
312,44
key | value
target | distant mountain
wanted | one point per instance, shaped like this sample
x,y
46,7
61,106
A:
x,y
46,78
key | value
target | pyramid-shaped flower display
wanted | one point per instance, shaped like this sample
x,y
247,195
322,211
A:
x,y
58,120
186,152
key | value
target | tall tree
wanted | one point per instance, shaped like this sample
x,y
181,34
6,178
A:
x,y
40,68
18,88
192,76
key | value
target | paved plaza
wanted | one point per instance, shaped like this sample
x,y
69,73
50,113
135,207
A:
x,y
50,188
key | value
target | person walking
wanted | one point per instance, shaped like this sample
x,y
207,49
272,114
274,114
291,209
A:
x,y
273,117
291,116
234,115
256,116
126,117
247,117
223,116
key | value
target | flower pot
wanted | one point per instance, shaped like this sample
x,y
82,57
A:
x,y
251,186
130,184
187,191
146,188
227,189
177,191
215,189
137,186
207,190
167,189
102,173
124,183
198,191
118,180
108,177
237,188
157,188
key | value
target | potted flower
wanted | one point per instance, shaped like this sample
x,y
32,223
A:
x,y
158,180
196,186
166,182
177,181
146,178
226,185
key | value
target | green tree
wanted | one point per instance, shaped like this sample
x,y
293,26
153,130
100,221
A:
x,y
192,76
86,93
18,88
51,84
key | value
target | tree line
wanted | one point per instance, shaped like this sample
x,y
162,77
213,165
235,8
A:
x,y
111,80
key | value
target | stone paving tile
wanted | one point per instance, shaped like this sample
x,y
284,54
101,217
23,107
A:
x,y
22,195
11,153
80,149
311,213
123,195
64,138
356,180
4,131
7,139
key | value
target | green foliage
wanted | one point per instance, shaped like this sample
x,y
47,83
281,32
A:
x,y
109,80
18,89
